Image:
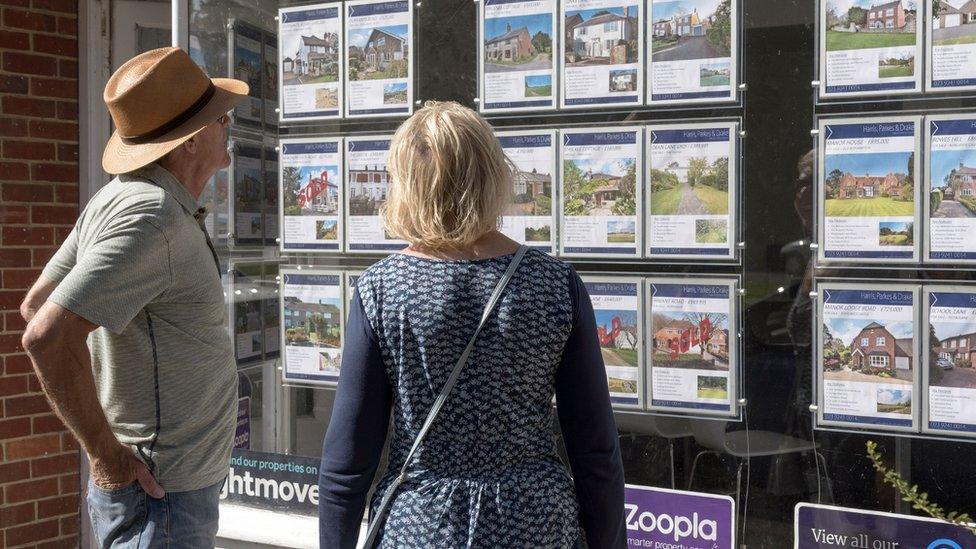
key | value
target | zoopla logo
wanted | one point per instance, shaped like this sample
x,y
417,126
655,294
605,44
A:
x,y
944,544
673,526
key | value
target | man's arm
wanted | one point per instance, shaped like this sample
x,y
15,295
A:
x,y
56,340
36,296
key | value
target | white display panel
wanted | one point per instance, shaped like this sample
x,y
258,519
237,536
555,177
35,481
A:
x,y
379,58
310,67
949,352
951,60
246,63
312,325
617,306
874,50
950,197
603,53
868,197
690,185
600,192
367,185
530,218
516,55
693,53
867,365
310,194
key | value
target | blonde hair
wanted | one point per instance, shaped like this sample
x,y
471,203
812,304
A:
x,y
449,178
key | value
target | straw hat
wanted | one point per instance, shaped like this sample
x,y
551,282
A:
x,y
158,100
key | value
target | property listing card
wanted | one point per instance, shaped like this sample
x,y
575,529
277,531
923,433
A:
x,y
248,329
367,184
529,218
617,307
270,79
868,197
379,67
600,193
691,191
870,48
312,313
951,174
310,193
603,53
950,350
516,55
867,356
249,195
952,45
271,226
247,65
693,47
691,345
310,46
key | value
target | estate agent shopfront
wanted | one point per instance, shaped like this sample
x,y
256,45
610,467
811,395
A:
x,y
769,201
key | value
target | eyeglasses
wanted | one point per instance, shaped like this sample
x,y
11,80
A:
x,y
225,119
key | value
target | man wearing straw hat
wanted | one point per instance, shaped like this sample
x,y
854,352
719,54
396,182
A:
x,y
152,398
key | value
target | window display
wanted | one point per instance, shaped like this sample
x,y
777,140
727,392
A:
x,y
949,350
692,346
249,195
868,198
516,59
691,189
600,194
530,218
310,45
379,66
951,174
952,45
247,62
310,194
367,182
603,53
693,51
617,307
313,313
867,356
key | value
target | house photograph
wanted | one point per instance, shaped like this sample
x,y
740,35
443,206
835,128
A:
x,y
690,340
312,324
518,43
310,59
689,185
601,36
684,30
531,191
378,53
869,185
367,187
953,22
869,351
599,188
953,345
867,24
618,336
952,191
310,190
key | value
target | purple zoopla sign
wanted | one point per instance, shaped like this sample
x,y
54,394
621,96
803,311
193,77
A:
x,y
663,519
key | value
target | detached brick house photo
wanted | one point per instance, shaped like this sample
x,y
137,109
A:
x,y
870,186
514,44
891,15
875,346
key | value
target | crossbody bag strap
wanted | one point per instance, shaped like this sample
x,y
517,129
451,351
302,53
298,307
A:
x,y
374,526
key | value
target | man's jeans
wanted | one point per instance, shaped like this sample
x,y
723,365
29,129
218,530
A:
x,y
128,518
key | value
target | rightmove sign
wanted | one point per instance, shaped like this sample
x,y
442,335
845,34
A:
x,y
659,518
828,527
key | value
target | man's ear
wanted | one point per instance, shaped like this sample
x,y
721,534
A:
x,y
190,145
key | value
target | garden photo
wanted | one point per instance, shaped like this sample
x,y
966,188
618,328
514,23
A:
x,y
618,336
538,234
715,74
330,361
394,93
896,66
600,187
869,185
691,29
606,36
952,351
539,85
896,233
518,43
312,59
868,351
713,387
894,401
867,24
310,190
621,232
952,192
622,379
690,340
378,53
327,229
711,231
312,323
696,185
326,98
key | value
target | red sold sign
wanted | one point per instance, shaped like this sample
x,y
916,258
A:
x,y
689,338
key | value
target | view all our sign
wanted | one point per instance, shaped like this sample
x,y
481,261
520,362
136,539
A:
x,y
659,518
829,527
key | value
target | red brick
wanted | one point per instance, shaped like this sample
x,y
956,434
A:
x,y
34,386
14,472
28,236
24,106
67,110
10,299
69,443
57,506
13,515
30,21
9,343
46,424
64,6
56,45
13,192
29,150
67,152
69,484
54,87
18,3
14,171
11,83
10,258
25,63
63,131
17,364
55,173
57,215
37,531
68,68
14,214
31,490
25,406
43,445
20,278
68,26
41,256
69,527
55,465
13,127
14,322
14,385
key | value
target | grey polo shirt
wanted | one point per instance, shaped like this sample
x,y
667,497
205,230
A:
x,y
139,265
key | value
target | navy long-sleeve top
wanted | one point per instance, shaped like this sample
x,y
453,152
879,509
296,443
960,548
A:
x,y
488,473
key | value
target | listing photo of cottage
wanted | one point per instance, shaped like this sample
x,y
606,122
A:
x,y
311,59
869,185
953,22
689,185
952,179
367,186
605,36
518,43
690,340
867,24
619,342
312,190
867,351
952,350
378,53
683,30
532,197
312,323
596,187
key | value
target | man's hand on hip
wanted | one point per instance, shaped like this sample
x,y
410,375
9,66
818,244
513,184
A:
x,y
120,469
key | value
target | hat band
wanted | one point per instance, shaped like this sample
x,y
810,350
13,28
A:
x,y
176,122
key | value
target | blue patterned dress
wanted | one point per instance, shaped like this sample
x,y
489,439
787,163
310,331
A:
x,y
488,474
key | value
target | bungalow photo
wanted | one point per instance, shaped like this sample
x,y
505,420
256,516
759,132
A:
x,y
312,323
518,43
618,336
606,36
683,30
894,401
378,53
867,24
600,187
952,192
869,185
690,340
867,351
694,185
713,387
310,190
620,232
953,351
310,59
896,233
953,22
367,186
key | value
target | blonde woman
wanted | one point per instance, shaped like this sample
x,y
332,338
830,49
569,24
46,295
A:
x,y
487,473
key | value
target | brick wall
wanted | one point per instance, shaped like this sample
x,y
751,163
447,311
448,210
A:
x,y
39,498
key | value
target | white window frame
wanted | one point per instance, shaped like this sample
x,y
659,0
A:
x,y
879,341
865,341
878,361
